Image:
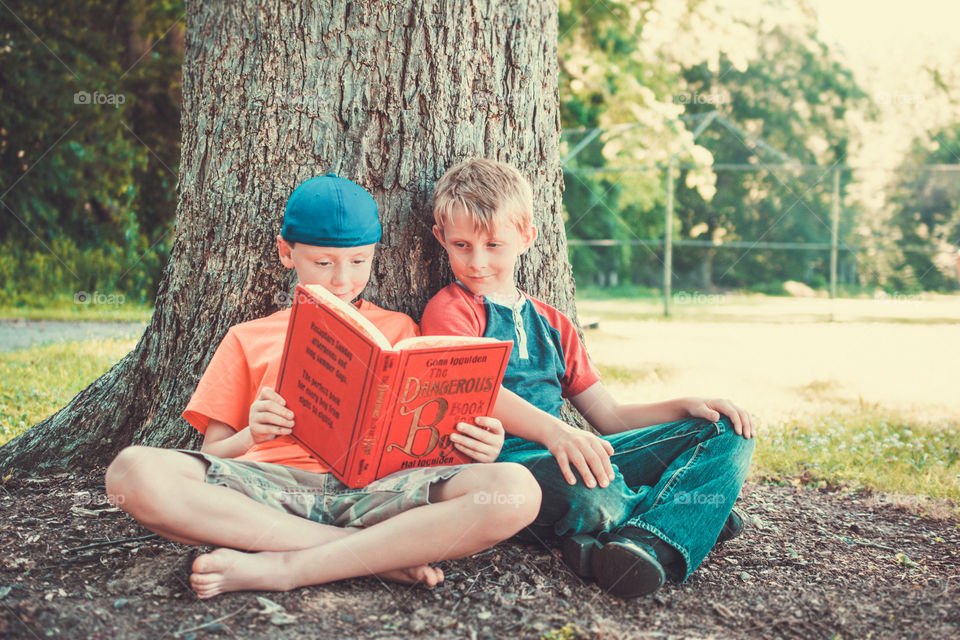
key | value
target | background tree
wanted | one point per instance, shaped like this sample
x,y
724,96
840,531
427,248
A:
x,y
926,215
89,146
647,73
389,94
794,97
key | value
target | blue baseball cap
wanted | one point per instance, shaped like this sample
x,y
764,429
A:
x,y
329,211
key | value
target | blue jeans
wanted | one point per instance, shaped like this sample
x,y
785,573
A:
x,y
677,480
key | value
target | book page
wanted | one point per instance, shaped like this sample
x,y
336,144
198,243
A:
x,y
420,342
347,312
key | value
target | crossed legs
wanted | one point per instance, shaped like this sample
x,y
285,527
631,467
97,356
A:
x,y
166,492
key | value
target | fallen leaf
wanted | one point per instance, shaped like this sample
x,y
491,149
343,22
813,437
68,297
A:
x,y
903,559
278,615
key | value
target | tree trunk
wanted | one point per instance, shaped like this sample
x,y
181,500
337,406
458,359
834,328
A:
x,y
388,94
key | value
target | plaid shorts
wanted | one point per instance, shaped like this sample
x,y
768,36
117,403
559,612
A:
x,y
321,497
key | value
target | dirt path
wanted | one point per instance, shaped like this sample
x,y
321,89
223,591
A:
x,y
20,334
811,564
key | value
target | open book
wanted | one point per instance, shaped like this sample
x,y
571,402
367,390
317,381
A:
x,y
366,408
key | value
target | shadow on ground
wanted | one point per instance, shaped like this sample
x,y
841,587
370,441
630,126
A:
x,y
811,564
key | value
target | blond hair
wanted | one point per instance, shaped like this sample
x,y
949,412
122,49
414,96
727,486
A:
x,y
488,192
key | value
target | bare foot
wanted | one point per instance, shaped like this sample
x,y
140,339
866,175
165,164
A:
x,y
226,570
430,576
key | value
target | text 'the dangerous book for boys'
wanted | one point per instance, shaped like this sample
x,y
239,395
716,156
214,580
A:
x,y
366,408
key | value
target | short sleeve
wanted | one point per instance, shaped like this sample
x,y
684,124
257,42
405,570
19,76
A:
x,y
580,374
224,391
450,313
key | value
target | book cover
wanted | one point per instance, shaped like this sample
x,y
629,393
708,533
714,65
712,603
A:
x,y
366,408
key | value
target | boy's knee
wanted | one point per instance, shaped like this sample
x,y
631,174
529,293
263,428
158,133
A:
x,y
514,495
739,449
125,469
138,479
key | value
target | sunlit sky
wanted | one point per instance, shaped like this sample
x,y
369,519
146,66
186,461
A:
x,y
884,30
888,44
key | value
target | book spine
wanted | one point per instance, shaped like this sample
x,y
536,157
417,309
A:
x,y
367,454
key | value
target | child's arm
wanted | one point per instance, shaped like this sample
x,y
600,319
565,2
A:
x,y
269,418
609,416
588,453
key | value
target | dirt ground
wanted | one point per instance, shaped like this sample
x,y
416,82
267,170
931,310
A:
x,y
812,563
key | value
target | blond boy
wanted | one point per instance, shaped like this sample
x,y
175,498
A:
x,y
658,485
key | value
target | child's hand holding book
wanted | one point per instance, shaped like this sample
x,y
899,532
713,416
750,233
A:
x,y
269,416
481,441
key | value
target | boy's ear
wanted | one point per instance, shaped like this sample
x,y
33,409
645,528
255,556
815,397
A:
x,y
286,259
438,234
527,238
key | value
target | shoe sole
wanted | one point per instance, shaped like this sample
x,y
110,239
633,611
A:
x,y
627,572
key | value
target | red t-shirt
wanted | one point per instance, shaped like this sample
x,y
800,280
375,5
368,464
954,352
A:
x,y
247,360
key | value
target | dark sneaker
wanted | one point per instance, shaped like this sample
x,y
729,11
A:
x,y
732,528
622,567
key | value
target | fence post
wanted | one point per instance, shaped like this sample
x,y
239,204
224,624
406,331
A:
x,y
668,240
835,224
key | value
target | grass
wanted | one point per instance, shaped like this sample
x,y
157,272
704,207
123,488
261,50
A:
x,y
38,381
865,449
68,310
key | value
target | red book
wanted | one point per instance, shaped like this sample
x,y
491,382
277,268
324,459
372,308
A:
x,y
366,408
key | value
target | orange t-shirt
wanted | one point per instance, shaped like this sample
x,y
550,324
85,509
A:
x,y
247,360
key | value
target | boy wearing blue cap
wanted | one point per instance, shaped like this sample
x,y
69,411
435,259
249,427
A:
x,y
253,487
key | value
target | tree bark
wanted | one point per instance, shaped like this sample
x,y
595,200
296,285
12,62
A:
x,y
388,94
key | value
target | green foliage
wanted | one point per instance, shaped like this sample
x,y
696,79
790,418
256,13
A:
x,y
926,215
607,79
40,380
62,272
651,72
794,96
89,137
